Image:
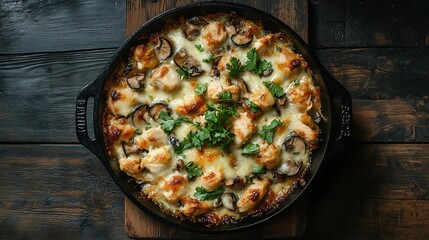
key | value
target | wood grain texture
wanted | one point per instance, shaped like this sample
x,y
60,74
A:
x,y
49,26
290,223
57,192
390,100
292,12
365,23
378,171
368,219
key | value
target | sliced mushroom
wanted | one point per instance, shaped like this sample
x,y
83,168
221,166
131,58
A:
x,y
140,116
229,200
234,181
156,108
240,83
193,28
281,101
136,82
289,168
174,141
129,148
164,49
293,143
180,165
128,68
214,72
183,60
242,38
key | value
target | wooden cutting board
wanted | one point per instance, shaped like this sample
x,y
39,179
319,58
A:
x,y
290,223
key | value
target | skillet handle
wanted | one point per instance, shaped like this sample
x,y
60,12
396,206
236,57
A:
x,y
341,115
84,94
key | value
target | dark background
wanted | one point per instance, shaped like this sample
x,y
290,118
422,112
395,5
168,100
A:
x,y
52,187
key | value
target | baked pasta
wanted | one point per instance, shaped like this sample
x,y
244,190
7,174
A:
x,y
215,117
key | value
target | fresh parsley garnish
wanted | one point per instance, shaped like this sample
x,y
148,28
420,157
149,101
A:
x,y
235,68
268,130
253,107
295,153
249,179
214,133
184,72
225,95
210,59
259,169
193,170
255,65
137,131
251,148
199,47
275,89
296,82
203,194
201,88
148,126
168,123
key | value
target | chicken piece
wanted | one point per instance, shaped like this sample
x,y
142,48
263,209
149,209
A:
x,y
252,196
151,138
212,179
213,35
166,78
174,187
194,207
268,155
262,97
216,87
157,159
192,106
243,128
145,57
131,166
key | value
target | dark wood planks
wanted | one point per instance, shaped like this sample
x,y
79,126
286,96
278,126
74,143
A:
x,y
365,23
48,26
293,13
39,92
57,191
388,86
378,171
368,219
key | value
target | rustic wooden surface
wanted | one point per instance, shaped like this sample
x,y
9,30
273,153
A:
x,y
53,188
289,224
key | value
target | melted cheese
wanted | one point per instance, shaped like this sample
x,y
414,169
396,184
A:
x,y
153,161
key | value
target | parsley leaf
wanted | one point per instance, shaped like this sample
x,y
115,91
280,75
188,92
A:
x,y
235,68
249,178
296,82
253,107
138,132
193,170
148,126
259,169
184,144
210,59
184,72
255,65
199,47
225,95
168,123
268,130
201,88
251,148
275,89
203,194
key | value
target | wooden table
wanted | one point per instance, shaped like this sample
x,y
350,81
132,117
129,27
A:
x,y
53,188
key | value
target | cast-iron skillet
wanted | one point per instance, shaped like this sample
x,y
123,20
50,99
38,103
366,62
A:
x,y
336,106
